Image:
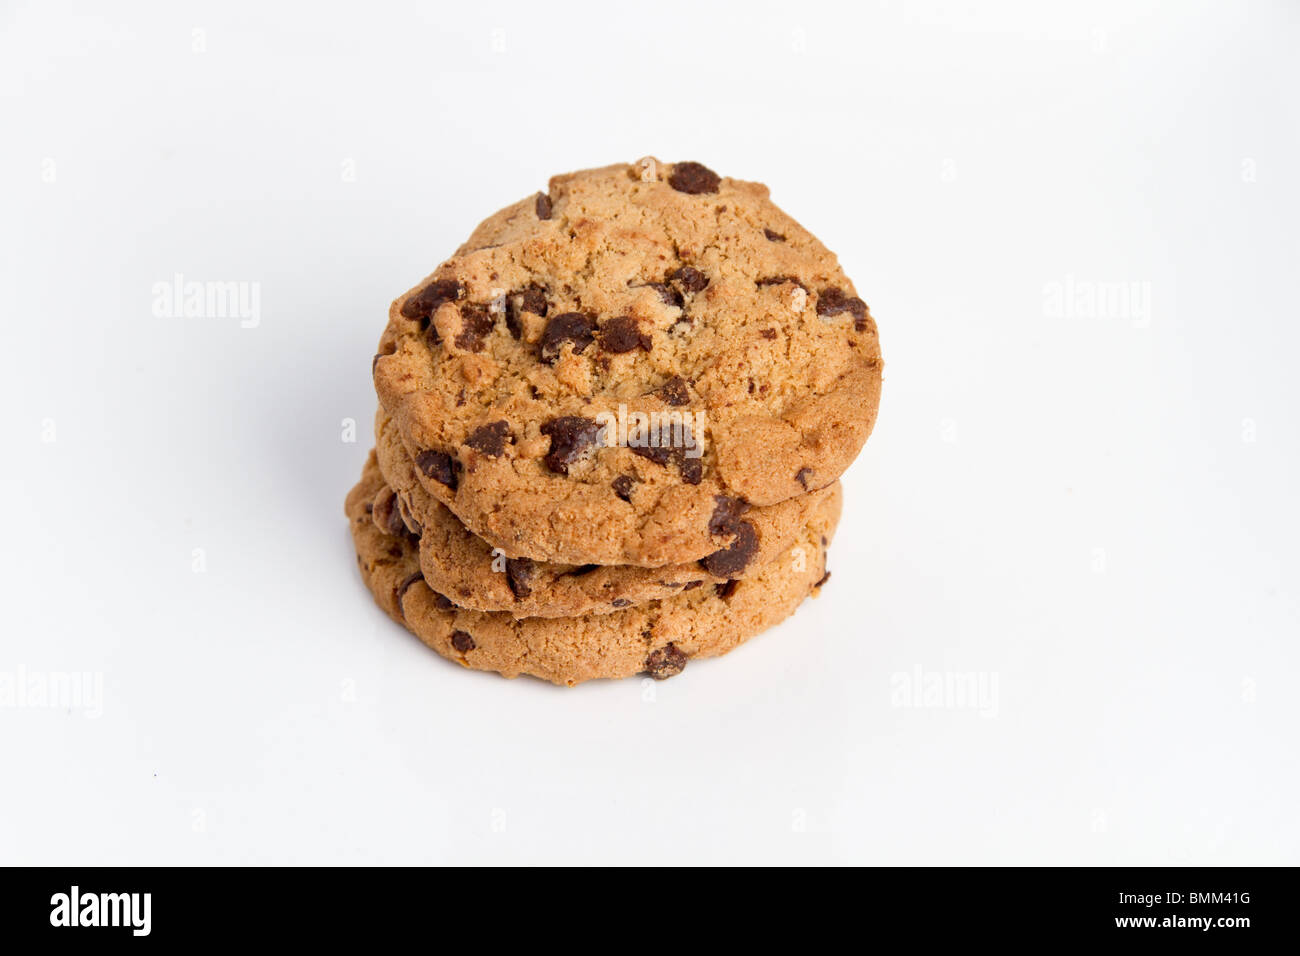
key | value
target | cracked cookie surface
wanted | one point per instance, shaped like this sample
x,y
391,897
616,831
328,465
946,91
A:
x,y
657,638
636,289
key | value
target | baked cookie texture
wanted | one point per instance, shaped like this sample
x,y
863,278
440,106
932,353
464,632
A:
x,y
611,427
459,564
658,637
634,289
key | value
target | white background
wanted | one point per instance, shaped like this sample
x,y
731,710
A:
x,y
1093,512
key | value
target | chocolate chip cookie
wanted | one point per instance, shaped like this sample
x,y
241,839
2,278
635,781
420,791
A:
x,y
459,564
602,366
657,638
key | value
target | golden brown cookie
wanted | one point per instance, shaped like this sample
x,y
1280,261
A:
x,y
468,570
657,638
600,368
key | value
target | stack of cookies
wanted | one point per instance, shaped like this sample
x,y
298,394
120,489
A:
x,y
611,428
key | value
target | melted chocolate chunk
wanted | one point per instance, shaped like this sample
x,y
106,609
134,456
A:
x,y
622,486
659,454
802,476
824,578
575,327
674,391
833,301
442,603
692,470
667,294
691,586
773,236
571,436
726,514
490,439
543,206
666,662
475,323
531,299
620,602
779,280
406,586
768,333
725,591
731,560
462,641
691,279
424,303
623,334
439,466
519,575
694,179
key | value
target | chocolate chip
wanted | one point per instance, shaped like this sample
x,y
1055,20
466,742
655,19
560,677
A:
x,y
726,514
833,301
620,602
734,558
531,299
623,334
439,466
386,515
543,206
674,391
475,323
802,476
725,591
824,578
442,603
490,439
406,586
622,486
519,575
462,641
691,279
779,280
773,236
667,294
666,662
424,303
694,179
768,333
571,436
691,586
575,327
659,454
692,470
